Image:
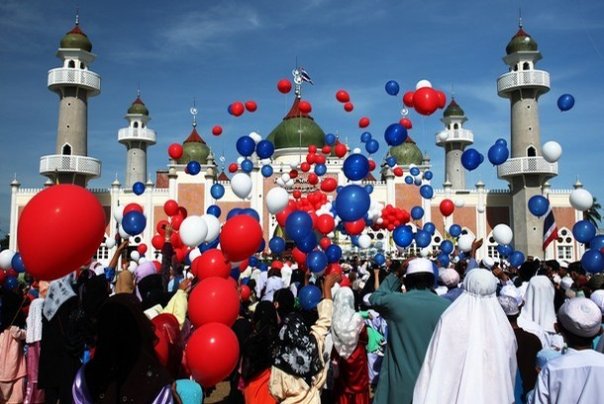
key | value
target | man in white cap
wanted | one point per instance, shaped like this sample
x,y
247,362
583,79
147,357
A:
x,y
598,298
450,279
411,319
576,376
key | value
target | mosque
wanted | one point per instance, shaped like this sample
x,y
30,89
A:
x,y
478,209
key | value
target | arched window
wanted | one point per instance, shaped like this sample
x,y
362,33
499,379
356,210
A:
x,y
66,149
436,240
515,68
135,124
71,64
565,245
492,247
82,65
526,66
143,125
531,152
103,252
455,126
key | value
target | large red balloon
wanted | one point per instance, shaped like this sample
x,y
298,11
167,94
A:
x,y
237,108
305,107
211,263
442,99
171,207
59,230
212,353
240,237
325,223
342,96
298,255
282,216
446,207
175,151
425,100
340,150
213,300
142,249
284,86
408,99
354,228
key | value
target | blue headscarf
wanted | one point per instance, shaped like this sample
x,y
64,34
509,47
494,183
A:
x,y
189,391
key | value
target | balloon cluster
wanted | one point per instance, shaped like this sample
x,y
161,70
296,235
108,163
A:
x,y
425,100
237,108
498,153
343,97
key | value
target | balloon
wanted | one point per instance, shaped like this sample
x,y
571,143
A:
x,y
217,191
348,107
298,225
443,259
325,223
502,234
138,188
355,227
267,171
320,169
233,167
213,226
59,229
364,122
395,134
214,210
455,230
403,236
593,261
217,130
309,296
428,175
6,257
307,243
372,146
471,159
171,207
408,99
193,167
277,245
356,167
134,223
131,207
175,151
498,154
240,237
329,184
446,246
446,207
465,242
423,238
330,139
333,253
581,199
284,86
245,146
241,184
251,106
423,83
276,200
414,171
214,299
552,151
501,142
142,249
425,101
211,263
265,149
10,283
342,96
442,99
392,87
516,259
504,250
365,137
429,227
305,107
408,179
417,212
17,263
250,212
583,231
340,150
538,205
157,242
597,243
406,123
110,243
566,102
352,203
316,261
247,166
245,293
426,191
364,241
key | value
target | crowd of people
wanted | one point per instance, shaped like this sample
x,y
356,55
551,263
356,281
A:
x,y
406,331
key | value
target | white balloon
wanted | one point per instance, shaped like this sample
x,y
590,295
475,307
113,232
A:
x,y
551,151
289,183
280,182
276,200
356,150
193,231
118,213
294,166
425,252
134,255
213,225
123,233
110,242
480,208
6,257
465,242
285,177
142,260
194,254
256,136
240,160
364,241
442,136
459,202
503,234
581,199
241,184
423,83
132,266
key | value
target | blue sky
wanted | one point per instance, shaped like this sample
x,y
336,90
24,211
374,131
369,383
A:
x,y
219,52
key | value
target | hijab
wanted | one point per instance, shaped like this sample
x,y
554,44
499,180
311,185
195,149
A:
x,y
258,348
125,282
346,324
189,391
539,303
152,292
58,293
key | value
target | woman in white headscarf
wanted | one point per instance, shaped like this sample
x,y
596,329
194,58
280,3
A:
x,y
472,354
349,339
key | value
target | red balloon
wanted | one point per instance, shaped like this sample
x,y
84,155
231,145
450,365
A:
x,y
398,171
12,273
333,268
345,282
161,226
176,221
329,184
284,86
408,99
167,332
340,150
371,165
212,353
2,276
245,292
305,167
313,179
342,96
171,207
298,256
142,249
157,265
233,167
213,300
282,216
237,108
240,237
60,228
251,106
293,174
442,99
354,228
180,254
312,148
425,100
363,122
348,107
182,211
211,263
175,151
324,243
446,207
217,130
175,240
326,149
320,159
158,242
133,207
406,123
305,107
325,223
297,194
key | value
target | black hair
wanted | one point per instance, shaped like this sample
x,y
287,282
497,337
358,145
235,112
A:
x,y
420,281
576,267
573,340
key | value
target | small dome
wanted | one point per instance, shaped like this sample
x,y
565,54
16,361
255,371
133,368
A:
x,y
76,39
453,109
521,42
194,149
407,153
298,129
138,107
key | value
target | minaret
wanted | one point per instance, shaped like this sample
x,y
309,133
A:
x,y
525,170
74,84
454,138
136,137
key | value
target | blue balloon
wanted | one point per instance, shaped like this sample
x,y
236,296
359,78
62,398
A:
x,y
253,261
298,225
501,142
584,231
408,179
330,139
193,167
265,149
538,205
333,253
138,188
234,212
403,236
428,175
17,263
446,246
316,261
205,246
417,212
498,154
516,259
277,245
245,146
379,259
309,296
250,212
365,137
423,238
392,87
455,230
395,134
369,188
426,191
372,146
247,166
217,191
504,250
429,227
471,159
356,167
414,171
320,169
391,161
235,273
352,203
134,223
262,246
262,266
593,261
443,259
566,102
267,171
417,181
10,283
354,240
308,243
597,243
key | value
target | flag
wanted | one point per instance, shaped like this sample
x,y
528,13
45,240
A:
x,y
550,230
305,76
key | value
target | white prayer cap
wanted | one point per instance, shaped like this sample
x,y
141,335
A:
x,y
598,298
563,263
480,282
513,292
581,317
449,277
566,282
509,305
419,265
488,262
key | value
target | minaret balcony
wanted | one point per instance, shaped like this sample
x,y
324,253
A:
x,y
61,163
512,81
464,136
130,134
71,77
527,165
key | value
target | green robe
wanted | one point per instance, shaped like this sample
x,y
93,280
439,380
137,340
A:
x,y
411,319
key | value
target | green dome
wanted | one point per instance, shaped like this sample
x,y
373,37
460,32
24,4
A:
x,y
76,39
453,109
138,107
407,153
194,149
521,42
298,129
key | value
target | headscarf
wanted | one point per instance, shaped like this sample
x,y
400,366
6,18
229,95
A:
x,y
346,324
125,282
59,292
472,345
297,351
539,306
168,344
286,302
258,348
152,293
189,391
